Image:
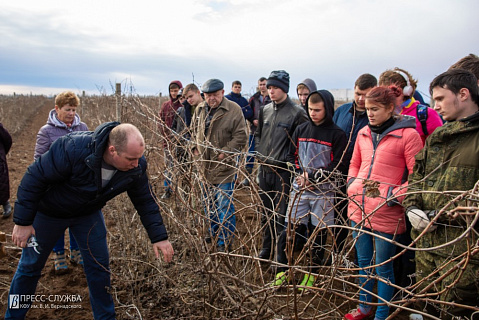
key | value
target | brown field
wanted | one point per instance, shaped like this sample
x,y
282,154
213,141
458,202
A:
x,y
200,283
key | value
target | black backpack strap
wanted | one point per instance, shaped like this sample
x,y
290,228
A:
x,y
421,112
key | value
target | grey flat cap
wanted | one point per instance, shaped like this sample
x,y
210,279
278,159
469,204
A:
x,y
212,85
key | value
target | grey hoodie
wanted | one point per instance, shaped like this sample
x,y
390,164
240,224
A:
x,y
308,83
311,86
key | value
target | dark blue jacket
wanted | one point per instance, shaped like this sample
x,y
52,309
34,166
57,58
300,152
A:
x,y
65,182
343,118
243,103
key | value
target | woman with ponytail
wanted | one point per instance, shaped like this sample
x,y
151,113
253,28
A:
x,y
382,159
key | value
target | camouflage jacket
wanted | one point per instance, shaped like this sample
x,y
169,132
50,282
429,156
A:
x,y
447,165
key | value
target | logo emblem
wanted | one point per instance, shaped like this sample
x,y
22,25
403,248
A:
x,y
14,301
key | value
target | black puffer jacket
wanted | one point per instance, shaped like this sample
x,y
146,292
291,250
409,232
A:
x,y
273,136
5,145
66,182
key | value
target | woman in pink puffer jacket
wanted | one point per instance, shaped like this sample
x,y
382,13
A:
x,y
382,159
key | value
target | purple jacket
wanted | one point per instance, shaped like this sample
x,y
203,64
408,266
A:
x,y
53,130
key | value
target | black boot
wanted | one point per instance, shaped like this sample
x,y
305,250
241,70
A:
x,y
7,209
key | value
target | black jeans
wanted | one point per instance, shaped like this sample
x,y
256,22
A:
x,y
275,187
341,218
315,252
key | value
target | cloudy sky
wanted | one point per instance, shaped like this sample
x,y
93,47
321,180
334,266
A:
x,y
48,46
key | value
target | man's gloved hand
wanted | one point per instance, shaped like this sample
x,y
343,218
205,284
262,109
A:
x,y
419,219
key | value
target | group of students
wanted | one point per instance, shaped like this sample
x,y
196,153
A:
x,y
367,140
377,144
386,129
406,173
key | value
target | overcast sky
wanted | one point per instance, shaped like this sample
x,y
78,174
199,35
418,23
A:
x,y
49,46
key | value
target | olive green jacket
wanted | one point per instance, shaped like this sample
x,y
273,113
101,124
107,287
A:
x,y
226,134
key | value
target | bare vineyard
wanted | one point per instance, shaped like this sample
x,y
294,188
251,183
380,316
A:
x,y
202,283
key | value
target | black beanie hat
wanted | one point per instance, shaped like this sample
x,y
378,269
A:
x,y
280,79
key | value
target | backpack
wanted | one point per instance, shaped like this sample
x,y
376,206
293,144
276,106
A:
x,y
421,113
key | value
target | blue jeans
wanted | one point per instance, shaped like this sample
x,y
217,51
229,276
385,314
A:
x,y
90,233
366,247
219,207
250,158
60,245
168,168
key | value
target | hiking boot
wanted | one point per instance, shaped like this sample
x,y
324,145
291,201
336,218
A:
x,y
61,266
280,279
7,210
357,315
75,257
308,281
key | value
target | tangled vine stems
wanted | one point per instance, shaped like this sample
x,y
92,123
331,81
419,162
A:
x,y
237,284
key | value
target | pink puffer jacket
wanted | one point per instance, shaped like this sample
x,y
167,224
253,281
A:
x,y
388,161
